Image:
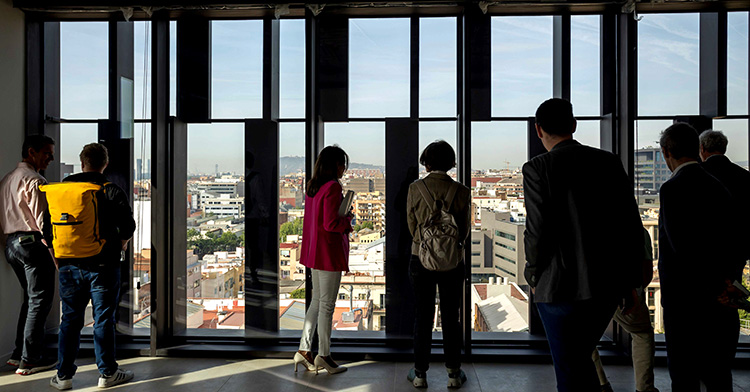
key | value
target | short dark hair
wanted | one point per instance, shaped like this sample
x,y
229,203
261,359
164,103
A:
x,y
35,142
438,155
713,141
555,116
94,156
680,140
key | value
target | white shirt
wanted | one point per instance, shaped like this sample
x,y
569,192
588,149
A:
x,y
22,204
681,166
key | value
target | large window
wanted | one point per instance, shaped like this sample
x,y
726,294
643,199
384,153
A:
x,y
379,68
381,81
521,64
216,214
668,64
236,69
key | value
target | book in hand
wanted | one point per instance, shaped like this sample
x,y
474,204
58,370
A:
x,y
346,204
741,302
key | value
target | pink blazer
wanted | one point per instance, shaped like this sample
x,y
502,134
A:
x,y
325,244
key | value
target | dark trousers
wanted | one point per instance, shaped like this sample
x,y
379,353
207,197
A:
x,y
450,284
79,284
701,345
35,271
573,330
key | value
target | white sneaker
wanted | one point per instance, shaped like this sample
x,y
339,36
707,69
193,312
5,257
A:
x,y
120,377
60,384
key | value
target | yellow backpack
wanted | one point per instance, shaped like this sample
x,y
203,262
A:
x,y
74,212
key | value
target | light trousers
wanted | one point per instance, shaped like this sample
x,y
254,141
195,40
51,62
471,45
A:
x,y
638,325
320,313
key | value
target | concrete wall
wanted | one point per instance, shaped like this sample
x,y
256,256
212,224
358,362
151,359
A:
x,y
12,106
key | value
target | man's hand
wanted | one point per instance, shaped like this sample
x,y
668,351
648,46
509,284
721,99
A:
x,y
729,294
125,244
629,302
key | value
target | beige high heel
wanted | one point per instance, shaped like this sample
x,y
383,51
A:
x,y
328,364
305,359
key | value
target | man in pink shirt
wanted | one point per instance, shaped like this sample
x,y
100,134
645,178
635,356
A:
x,y
22,209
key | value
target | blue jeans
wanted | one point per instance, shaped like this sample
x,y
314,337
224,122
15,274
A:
x,y
78,284
573,330
35,271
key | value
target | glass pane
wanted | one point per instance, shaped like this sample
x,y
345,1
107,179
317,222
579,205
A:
x,y
521,64
72,139
237,69
737,56
215,257
668,64
291,214
84,69
650,169
365,283
141,242
434,131
438,67
292,69
589,133
142,70
737,133
379,63
499,291
650,173
585,64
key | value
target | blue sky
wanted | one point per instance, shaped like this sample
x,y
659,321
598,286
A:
x,y
379,84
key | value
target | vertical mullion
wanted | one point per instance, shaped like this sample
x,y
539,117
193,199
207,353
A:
x,y
627,100
271,42
414,71
401,151
463,144
713,64
608,77
561,56
161,306
313,126
112,134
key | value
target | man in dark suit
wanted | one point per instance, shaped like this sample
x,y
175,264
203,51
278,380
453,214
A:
x,y
694,264
583,240
713,146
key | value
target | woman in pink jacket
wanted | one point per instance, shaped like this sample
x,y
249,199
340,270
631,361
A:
x,y
325,249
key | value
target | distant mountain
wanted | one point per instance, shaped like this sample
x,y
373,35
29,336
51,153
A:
x,y
289,165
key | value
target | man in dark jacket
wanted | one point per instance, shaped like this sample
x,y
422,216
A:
x,y
95,278
694,265
713,147
583,242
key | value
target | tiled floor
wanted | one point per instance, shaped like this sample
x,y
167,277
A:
x,y
277,375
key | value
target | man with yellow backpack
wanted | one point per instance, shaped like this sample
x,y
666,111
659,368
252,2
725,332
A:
x,y
91,223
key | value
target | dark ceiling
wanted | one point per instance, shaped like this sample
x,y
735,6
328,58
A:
x,y
143,9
